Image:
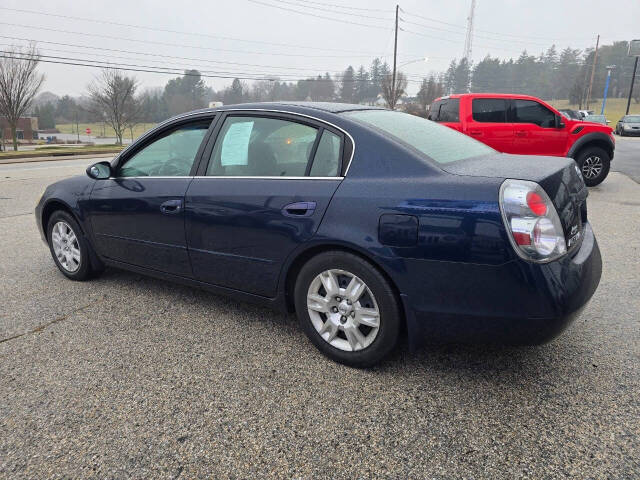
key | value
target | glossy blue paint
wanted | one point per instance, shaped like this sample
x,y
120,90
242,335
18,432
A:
x,y
435,231
238,234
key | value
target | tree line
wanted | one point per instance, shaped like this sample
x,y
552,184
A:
x,y
115,98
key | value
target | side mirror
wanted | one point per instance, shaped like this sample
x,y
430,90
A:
x,y
99,171
559,122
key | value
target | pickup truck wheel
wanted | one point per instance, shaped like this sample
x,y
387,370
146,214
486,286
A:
x,y
594,163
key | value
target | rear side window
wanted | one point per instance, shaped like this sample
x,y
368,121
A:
x,y
326,163
528,111
492,110
441,144
257,146
447,110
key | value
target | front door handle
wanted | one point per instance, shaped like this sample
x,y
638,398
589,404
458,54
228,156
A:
x,y
299,209
171,207
475,133
521,133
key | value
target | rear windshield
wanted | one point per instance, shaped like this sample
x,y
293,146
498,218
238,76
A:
x,y
445,110
441,144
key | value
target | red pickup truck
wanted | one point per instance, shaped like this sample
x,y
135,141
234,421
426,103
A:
x,y
526,125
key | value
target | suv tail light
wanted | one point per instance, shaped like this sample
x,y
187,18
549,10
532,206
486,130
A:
x,y
531,221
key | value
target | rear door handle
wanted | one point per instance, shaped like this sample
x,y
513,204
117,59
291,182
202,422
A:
x,y
171,207
521,133
299,209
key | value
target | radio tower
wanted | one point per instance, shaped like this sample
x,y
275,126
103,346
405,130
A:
x,y
469,40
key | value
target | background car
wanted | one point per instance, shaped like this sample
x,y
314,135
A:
x,y
585,113
571,114
628,125
526,125
601,119
363,221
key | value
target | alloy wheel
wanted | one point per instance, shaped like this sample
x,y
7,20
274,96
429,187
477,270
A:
x,y
66,246
592,167
343,310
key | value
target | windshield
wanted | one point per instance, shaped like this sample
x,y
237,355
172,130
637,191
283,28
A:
x,y
632,119
441,144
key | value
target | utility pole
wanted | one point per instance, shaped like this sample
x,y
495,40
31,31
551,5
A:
x,y
593,71
395,59
634,51
633,79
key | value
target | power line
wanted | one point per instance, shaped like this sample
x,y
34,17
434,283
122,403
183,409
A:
x,y
303,5
317,16
499,34
166,44
160,55
180,32
152,69
348,8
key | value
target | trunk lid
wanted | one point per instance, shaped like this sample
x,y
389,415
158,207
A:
x,y
558,176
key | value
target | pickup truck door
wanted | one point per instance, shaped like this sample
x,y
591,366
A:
x,y
487,122
536,132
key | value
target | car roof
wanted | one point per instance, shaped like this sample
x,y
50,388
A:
x,y
294,107
490,95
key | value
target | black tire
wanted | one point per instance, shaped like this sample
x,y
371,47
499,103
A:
x,y
593,152
84,270
388,306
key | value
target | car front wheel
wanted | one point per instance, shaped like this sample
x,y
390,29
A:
x,y
347,308
594,163
68,246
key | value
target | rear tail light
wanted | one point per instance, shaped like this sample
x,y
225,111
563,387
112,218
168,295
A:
x,y
531,221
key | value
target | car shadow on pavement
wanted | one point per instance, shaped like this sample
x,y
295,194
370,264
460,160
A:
x,y
492,364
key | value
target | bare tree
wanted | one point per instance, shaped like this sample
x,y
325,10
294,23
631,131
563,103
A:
x,y
390,93
19,84
112,94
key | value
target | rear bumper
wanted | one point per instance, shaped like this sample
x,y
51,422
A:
x,y
515,303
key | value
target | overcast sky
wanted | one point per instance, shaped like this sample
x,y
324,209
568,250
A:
x,y
270,37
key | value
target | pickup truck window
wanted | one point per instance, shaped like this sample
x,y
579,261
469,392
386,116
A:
x,y
528,111
447,110
492,110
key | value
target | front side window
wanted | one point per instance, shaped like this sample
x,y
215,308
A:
x,y
529,111
172,155
438,142
262,147
490,110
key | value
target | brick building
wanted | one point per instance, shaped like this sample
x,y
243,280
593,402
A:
x,y
27,128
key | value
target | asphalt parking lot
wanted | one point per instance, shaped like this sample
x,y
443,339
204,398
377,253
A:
x,y
131,377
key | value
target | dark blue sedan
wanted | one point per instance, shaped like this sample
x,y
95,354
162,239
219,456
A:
x,y
365,222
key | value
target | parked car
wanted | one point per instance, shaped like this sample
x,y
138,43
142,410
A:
x,y
585,113
570,114
526,125
601,119
365,222
628,125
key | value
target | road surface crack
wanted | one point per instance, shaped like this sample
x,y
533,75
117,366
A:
x,y
46,325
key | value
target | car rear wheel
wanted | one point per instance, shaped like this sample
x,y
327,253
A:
x,y
594,163
68,246
347,308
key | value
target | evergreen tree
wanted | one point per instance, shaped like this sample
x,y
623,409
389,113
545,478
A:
x,y
362,85
347,85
